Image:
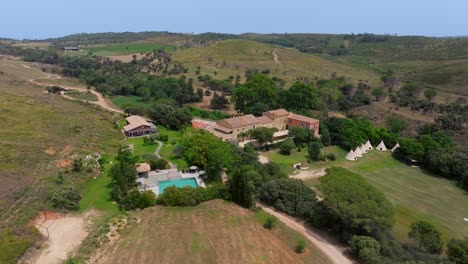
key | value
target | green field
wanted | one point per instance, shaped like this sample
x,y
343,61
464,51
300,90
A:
x,y
415,194
120,100
123,49
170,145
140,148
88,96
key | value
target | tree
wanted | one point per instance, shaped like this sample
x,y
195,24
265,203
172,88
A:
x,y
355,206
286,147
378,92
77,165
314,150
262,135
430,94
147,199
242,189
218,102
427,235
290,196
396,124
457,250
299,135
366,249
258,88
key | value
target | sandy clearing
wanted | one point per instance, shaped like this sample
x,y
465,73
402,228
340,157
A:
x,y
65,235
322,241
262,159
308,174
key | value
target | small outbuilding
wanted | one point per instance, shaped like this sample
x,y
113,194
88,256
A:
x,y
381,146
350,156
71,49
143,169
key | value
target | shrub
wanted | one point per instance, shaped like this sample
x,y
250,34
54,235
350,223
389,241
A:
x,y
331,156
300,246
366,249
65,198
287,146
457,250
147,199
270,223
189,196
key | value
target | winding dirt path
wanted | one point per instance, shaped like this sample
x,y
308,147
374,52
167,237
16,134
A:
x,y
156,153
275,57
334,251
102,102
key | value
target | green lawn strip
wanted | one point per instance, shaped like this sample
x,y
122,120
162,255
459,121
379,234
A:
x,y
88,96
168,147
140,148
96,192
120,100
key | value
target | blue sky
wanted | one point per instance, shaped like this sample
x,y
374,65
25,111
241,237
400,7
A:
x,y
54,18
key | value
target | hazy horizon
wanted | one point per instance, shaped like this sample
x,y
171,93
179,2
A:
x,y
51,18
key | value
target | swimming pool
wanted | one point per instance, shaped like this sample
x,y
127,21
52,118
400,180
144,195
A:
x,y
179,183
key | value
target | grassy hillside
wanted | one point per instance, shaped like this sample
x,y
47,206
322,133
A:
x,y
38,132
213,232
123,49
232,57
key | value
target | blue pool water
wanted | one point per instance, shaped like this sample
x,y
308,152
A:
x,y
177,183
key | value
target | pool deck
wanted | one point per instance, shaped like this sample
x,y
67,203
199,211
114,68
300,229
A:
x,y
151,183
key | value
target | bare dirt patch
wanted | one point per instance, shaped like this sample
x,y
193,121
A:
x,y
50,151
64,163
64,234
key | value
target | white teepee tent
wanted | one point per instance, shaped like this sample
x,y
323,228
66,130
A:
x,y
381,146
358,153
395,147
363,148
369,145
350,156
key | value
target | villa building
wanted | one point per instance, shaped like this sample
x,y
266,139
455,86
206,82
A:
x,y
138,126
230,129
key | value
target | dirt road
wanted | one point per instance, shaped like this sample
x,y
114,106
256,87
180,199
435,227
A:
x,y
102,102
327,245
275,57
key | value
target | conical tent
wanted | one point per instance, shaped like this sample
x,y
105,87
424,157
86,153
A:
x,y
350,156
395,147
369,145
381,146
363,148
357,152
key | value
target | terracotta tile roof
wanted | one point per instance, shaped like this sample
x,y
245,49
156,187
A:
x,y
264,120
143,167
278,112
135,121
303,118
240,121
222,128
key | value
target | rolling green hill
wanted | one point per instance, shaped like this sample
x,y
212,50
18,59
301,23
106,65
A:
x,y
232,57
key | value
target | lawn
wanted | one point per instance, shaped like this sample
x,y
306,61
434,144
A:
x,y
122,49
140,148
170,145
212,232
286,162
416,194
120,100
96,193
88,96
